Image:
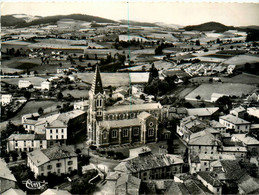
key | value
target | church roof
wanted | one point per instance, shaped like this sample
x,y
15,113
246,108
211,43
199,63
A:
x,y
120,123
97,86
133,107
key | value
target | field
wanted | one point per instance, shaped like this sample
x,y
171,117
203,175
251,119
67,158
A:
x,y
113,79
205,90
36,81
242,59
76,93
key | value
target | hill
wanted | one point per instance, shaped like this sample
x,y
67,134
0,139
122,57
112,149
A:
x,y
210,26
10,20
135,23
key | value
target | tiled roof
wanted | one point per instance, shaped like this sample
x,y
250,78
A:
x,y
234,120
216,124
65,117
203,139
248,184
5,172
22,137
238,109
232,169
148,161
40,157
57,123
55,192
120,123
246,139
202,111
130,180
12,191
133,107
210,177
59,152
193,188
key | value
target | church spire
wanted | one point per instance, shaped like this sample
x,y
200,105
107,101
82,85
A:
x,y
97,86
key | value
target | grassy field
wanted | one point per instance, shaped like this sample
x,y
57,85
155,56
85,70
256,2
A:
x,y
205,90
76,93
34,80
113,79
242,59
33,106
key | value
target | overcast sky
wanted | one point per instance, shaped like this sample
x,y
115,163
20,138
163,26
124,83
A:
x,y
235,14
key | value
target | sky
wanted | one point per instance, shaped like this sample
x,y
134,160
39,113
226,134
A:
x,y
184,13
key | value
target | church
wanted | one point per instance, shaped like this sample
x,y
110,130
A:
x,y
119,124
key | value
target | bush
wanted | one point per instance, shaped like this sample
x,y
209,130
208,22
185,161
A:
x,y
92,147
102,152
24,155
78,151
110,153
7,159
119,155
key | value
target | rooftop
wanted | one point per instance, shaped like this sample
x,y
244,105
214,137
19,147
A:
x,y
246,139
203,138
120,123
55,192
202,111
147,162
134,107
235,120
210,177
5,172
40,157
12,191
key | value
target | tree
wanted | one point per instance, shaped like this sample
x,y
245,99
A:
x,y
198,97
27,95
197,43
60,96
14,155
24,155
40,111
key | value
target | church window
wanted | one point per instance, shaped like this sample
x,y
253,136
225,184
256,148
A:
x,y
151,132
132,115
99,113
151,124
104,135
125,133
114,133
99,103
136,131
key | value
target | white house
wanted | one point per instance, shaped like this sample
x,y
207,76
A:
x,y
26,142
233,122
24,84
55,160
45,85
6,99
253,111
82,105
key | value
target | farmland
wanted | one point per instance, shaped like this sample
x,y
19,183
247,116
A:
x,y
232,89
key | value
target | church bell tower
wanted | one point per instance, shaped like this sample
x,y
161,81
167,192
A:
x,y
97,100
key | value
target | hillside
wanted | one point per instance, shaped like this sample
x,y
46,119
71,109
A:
x,y
10,20
135,23
210,26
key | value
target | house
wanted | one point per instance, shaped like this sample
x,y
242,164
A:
x,y
24,84
253,111
7,179
26,142
203,113
237,124
188,126
238,112
148,166
82,105
218,126
6,99
56,132
239,152
250,143
55,192
204,142
45,85
13,191
211,181
56,160
121,183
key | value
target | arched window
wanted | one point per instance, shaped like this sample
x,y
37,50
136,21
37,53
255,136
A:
x,y
105,135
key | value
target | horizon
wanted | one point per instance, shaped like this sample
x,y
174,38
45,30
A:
x,y
229,14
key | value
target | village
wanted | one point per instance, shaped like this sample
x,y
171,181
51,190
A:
x,y
106,107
